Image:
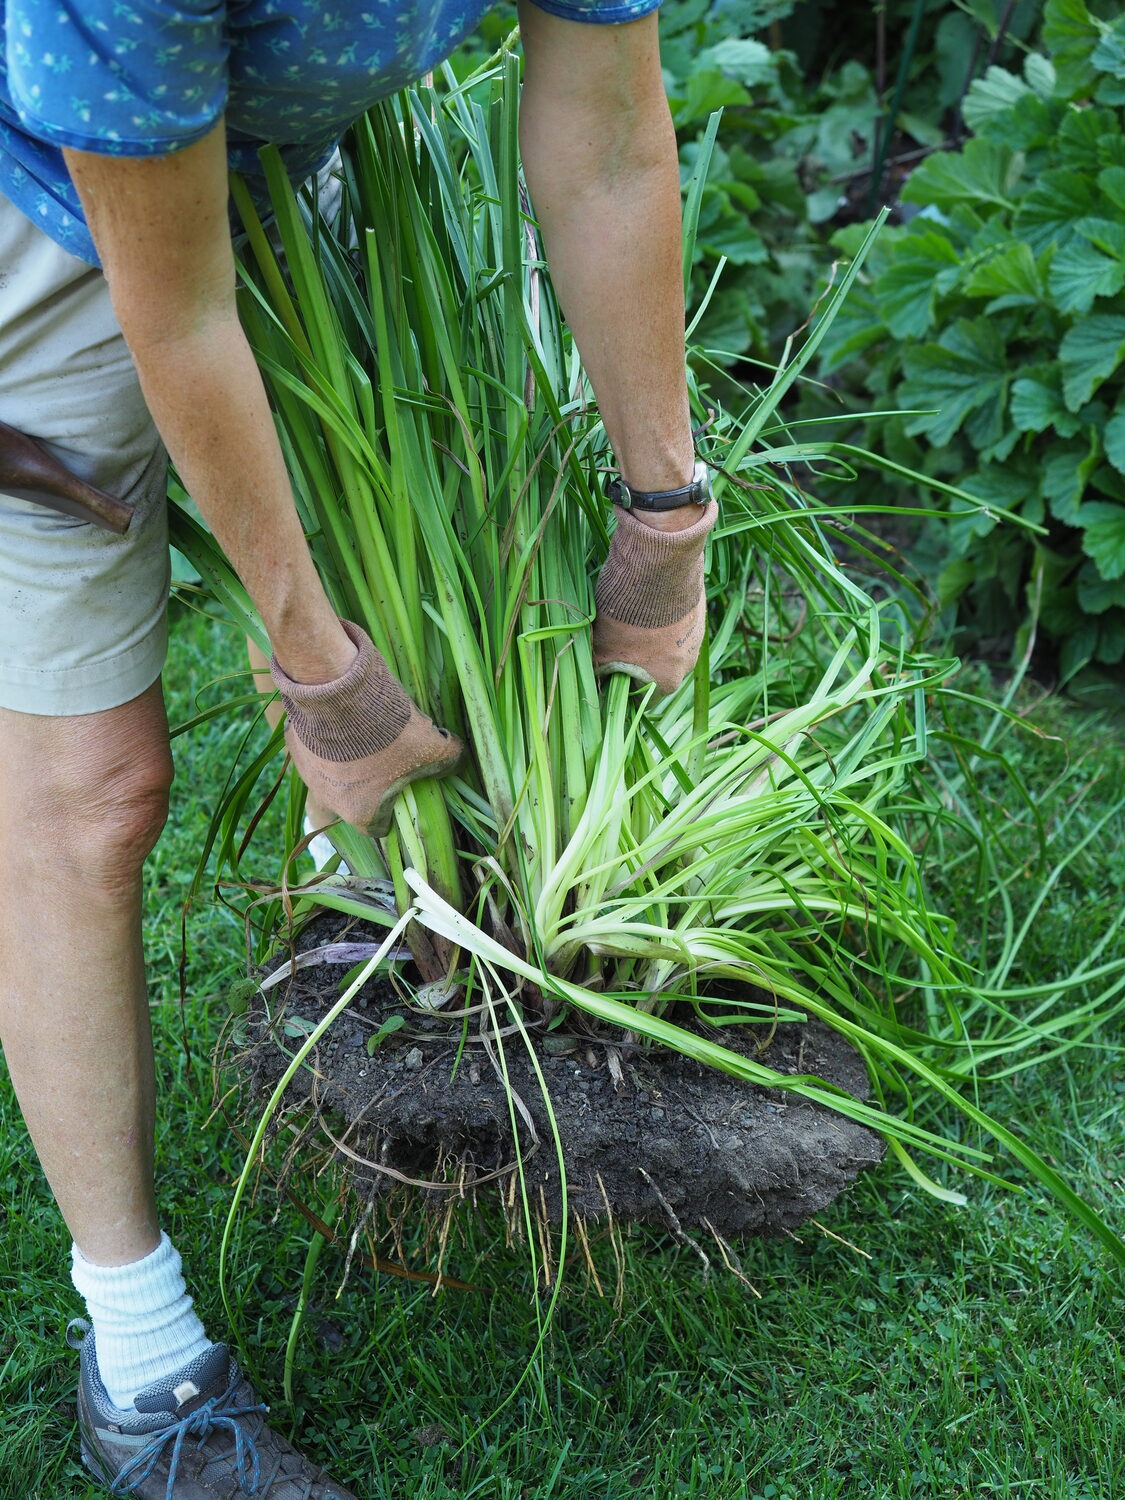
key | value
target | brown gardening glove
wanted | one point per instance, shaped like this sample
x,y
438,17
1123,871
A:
x,y
651,605
357,741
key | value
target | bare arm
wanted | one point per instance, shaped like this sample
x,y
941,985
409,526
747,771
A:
x,y
600,156
161,228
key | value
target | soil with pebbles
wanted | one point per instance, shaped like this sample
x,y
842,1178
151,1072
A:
x,y
647,1135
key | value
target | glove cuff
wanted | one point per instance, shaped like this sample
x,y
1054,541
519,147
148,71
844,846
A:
x,y
357,714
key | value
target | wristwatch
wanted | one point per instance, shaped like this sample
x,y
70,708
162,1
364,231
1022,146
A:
x,y
698,492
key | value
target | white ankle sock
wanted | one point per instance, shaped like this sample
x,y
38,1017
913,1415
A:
x,y
145,1327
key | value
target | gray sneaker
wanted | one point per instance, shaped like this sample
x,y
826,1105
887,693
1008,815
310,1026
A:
x,y
200,1434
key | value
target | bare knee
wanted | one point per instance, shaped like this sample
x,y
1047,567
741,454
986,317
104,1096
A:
x,y
90,792
115,823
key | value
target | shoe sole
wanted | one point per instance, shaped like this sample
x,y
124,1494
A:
x,y
90,1455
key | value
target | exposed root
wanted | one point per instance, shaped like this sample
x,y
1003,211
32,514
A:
x,y
832,1236
543,1226
675,1227
731,1260
615,1245
584,1242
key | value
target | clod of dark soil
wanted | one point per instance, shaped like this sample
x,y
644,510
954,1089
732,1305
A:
x,y
647,1136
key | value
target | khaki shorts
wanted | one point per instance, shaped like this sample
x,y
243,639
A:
x,y
82,611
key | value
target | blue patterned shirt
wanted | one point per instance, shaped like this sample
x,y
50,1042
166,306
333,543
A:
x,y
145,77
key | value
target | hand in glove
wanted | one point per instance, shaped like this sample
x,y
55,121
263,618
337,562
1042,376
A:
x,y
357,741
651,601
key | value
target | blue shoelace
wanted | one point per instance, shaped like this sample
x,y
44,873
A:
x,y
211,1417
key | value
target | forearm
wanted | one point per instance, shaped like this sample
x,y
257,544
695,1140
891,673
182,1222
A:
x,y
206,398
160,224
604,183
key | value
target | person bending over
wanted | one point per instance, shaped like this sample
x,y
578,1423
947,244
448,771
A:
x,y
120,345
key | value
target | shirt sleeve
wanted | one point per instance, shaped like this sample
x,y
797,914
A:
x,y
599,12
117,77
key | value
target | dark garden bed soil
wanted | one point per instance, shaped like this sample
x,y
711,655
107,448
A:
x,y
647,1136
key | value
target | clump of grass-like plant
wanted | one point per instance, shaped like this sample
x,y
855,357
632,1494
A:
x,y
603,853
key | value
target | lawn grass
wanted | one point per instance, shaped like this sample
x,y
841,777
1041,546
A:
x,y
965,1353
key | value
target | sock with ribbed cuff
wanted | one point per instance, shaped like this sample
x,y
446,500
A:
x,y
145,1327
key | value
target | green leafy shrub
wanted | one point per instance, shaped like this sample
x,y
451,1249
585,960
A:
x,y
775,142
807,115
996,317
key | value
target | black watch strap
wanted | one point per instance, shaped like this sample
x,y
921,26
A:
x,y
698,492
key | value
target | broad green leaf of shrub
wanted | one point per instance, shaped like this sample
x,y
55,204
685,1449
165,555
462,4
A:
x,y
992,95
984,172
1090,352
1011,277
1066,473
1103,536
740,58
1082,137
1029,125
954,579
1061,614
733,237
965,377
1070,35
1040,74
745,17
1091,265
1110,483
774,181
1114,436
956,43
1111,638
706,91
1097,594
1109,55
925,265
1037,401
1047,214
1109,58
1078,650
1111,180
1068,29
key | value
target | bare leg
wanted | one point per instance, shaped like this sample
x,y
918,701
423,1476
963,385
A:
x,y
82,801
